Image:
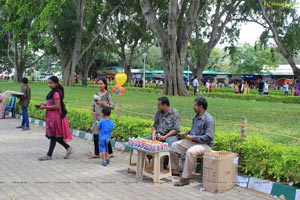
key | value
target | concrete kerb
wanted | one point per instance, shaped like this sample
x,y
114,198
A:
x,y
260,185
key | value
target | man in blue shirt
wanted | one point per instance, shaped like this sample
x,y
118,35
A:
x,y
197,141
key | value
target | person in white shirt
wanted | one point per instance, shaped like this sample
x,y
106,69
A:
x,y
286,89
195,85
207,84
266,88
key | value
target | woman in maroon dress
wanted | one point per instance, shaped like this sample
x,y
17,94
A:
x,y
57,127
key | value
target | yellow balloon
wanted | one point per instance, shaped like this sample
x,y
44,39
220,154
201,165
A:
x,y
120,78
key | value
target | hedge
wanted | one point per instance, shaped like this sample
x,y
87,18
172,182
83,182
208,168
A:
x,y
255,97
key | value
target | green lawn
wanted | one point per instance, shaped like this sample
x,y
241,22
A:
x,y
276,121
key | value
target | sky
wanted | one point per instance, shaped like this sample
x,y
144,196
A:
x,y
250,33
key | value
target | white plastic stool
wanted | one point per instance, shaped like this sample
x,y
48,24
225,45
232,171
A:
x,y
158,173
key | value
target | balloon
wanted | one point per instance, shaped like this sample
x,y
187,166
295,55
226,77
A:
x,y
114,89
118,91
122,89
120,78
117,86
119,94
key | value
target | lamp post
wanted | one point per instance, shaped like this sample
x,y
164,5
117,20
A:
x,y
144,56
189,61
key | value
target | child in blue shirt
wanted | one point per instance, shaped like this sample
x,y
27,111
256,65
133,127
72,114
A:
x,y
105,127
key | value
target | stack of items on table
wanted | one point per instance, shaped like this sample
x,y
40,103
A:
x,y
149,145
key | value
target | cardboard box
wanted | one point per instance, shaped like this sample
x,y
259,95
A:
x,y
219,170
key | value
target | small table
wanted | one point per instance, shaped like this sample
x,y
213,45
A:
x,y
139,166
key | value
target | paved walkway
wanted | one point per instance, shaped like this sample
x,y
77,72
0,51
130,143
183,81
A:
x,y
23,177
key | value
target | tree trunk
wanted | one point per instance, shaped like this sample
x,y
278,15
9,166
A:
x,y
127,69
296,70
174,40
77,44
19,63
67,75
68,68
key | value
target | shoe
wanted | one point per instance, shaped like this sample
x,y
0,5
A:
x,y
111,156
20,127
104,164
175,174
25,129
69,151
107,161
44,158
182,182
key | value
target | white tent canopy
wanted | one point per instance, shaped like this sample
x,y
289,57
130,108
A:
x,y
280,70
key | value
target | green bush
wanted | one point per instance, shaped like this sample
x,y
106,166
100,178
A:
x,y
126,127
255,97
262,158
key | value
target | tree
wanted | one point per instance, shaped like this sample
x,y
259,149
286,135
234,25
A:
x,y
68,46
78,37
19,21
252,59
279,18
283,22
173,33
128,33
214,25
219,60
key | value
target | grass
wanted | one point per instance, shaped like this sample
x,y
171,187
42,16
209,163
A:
x,y
276,121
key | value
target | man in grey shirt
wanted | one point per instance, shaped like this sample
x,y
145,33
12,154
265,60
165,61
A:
x,y
197,141
166,123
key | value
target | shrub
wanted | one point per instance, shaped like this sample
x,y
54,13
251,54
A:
x,y
262,158
255,97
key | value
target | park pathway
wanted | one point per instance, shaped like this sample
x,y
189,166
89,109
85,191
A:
x,y
23,177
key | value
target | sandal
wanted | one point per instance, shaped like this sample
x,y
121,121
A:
x,y
44,158
69,151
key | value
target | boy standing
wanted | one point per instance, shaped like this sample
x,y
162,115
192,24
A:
x,y
105,127
24,102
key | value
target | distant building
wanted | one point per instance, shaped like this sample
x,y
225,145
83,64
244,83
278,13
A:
x,y
281,75
281,70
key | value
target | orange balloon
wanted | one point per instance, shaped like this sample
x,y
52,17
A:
x,y
114,89
122,89
119,94
117,86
